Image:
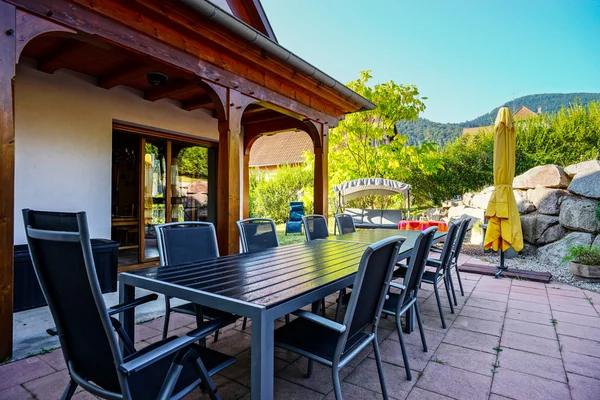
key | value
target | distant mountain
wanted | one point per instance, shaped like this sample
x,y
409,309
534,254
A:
x,y
424,130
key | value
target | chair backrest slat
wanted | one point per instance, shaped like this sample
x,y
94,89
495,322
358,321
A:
x,y
344,223
370,285
315,227
418,259
66,272
257,234
186,242
448,248
460,238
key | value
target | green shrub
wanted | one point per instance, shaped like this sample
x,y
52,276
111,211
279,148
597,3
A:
x,y
583,254
270,194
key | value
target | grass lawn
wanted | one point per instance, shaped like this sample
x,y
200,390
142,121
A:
x,y
294,238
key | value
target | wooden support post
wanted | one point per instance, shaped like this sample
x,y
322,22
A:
x,y
246,187
8,60
229,172
321,188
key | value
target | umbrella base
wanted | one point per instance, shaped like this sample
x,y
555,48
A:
x,y
501,268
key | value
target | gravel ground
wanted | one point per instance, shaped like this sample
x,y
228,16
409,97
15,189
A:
x,y
560,273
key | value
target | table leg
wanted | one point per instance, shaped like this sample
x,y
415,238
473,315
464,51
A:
x,y
127,318
262,353
410,320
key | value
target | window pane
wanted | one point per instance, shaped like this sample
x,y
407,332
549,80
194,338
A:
x,y
189,183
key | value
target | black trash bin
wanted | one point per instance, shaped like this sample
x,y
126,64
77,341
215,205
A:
x,y
27,292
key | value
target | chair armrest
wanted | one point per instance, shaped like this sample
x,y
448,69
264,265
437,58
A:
x,y
320,320
397,286
433,262
132,304
134,364
401,265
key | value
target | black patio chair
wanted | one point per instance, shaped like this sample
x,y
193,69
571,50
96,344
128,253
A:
x,y
344,223
187,242
257,234
169,369
397,304
315,227
334,344
456,249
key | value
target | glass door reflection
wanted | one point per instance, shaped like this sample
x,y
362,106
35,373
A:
x,y
189,183
154,193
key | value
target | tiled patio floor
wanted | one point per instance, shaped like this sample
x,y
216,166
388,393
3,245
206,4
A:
x,y
543,339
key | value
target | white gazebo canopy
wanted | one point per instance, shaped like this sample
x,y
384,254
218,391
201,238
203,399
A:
x,y
366,186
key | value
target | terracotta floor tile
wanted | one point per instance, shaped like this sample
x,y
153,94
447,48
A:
x,y
22,371
581,364
450,381
463,358
584,388
478,325
488,315
533,364
520,386
540,330
531,344
472,340
365,376
525,305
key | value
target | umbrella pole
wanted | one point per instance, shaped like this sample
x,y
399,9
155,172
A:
x,y
501,268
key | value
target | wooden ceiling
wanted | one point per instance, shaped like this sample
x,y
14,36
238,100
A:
x,y
112,66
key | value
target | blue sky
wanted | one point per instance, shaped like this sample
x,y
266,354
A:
x,y
467,57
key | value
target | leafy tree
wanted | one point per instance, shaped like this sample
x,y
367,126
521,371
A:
x,y
193,161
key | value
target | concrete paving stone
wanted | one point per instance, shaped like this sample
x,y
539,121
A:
x,y
320,380
414,338
478,325
579,346
527,306
286,355
494,396
488,315
562,286
392,353
15,393
529,316
456,383
177,320
55,359
483,294
533,364
529,284
366,376
23,371
434,312
581,364
48,387
531,344
357,359
353,392
520,386
583,332
290,391
463,358
529,328
530,290
499,291
576,319
231,345
240,370
487,304
88,396
583,310
143,332
584,388
566,293
434,323
529,297
472,340
422,394
573,301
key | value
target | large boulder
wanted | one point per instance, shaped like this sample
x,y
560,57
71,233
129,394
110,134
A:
x,y
553,253
579,214
467,197
545,175
481,200
477,215
586,166
596,241
547,201
524,205
552,234
536,226
586,184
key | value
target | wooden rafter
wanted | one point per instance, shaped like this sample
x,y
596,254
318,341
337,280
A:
x,y
58,57
121,75
198,102
169,89
252,13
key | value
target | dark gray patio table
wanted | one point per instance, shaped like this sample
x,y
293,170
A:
x,y
263,286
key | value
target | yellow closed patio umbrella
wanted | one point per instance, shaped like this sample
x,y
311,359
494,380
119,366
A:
x,y
504,224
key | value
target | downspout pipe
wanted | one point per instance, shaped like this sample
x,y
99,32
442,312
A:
x,y
213,13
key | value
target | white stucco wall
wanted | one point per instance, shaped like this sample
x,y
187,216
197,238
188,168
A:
x,y
63,140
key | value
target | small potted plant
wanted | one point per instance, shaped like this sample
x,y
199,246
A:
x,y
584,262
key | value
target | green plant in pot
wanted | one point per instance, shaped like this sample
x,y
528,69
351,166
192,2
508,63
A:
x,y
584,262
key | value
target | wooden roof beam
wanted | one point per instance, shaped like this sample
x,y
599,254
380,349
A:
x,y
281,124
252,13
170,88
57,58
198,102
121,75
